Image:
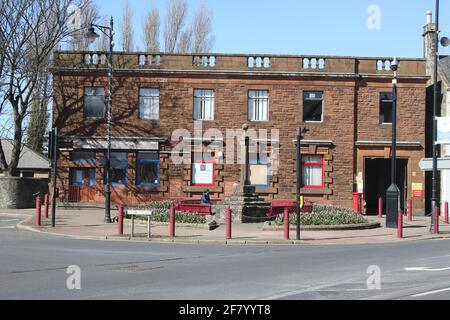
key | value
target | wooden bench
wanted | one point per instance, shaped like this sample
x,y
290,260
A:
x,y
194,206
277,207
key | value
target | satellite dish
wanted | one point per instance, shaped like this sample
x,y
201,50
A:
x,y
445,42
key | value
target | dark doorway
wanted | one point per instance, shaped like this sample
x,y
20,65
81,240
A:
x,y
378,179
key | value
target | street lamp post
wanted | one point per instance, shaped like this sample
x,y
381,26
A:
x,y
393,193
92,35
299,177
434,194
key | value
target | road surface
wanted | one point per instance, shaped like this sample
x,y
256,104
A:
x,y
34,266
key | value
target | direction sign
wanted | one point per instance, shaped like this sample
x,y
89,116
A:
x,y
427,164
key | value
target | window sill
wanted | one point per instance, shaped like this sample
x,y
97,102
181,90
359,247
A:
x,y
313,191
151,189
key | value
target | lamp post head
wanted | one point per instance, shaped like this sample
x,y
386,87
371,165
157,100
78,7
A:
x,y
91,35
245,127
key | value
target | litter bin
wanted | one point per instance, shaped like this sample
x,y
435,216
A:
x,y
357,202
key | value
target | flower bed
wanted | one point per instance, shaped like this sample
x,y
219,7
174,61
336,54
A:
x,y
325,216
161,213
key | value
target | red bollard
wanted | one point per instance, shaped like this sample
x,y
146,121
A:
x,y
400,224
436,220
121,213
172,222
38,210
410,210
446,212
228,221
380,207
46,202
286,224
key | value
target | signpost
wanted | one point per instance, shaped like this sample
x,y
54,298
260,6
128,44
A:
x,y
142,213
442,164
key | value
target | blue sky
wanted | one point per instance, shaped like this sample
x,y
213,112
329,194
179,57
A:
x,y
322,27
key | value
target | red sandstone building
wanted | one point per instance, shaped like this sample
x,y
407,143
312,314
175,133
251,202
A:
x,y
345,102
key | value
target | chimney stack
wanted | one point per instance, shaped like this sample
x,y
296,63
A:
x,y
429,18
429,37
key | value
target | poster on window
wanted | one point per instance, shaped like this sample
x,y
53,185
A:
x,y
259,175
443,130
203,174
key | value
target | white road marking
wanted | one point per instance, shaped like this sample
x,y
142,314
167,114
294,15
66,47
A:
x,y
430,293
11,227
428,269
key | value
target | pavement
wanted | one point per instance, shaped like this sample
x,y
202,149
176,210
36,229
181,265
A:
x,y
88,224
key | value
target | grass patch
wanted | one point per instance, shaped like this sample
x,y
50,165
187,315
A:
x,y
161,213
325,216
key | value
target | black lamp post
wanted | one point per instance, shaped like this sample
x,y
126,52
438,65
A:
x,y
393,193
299,178
92,35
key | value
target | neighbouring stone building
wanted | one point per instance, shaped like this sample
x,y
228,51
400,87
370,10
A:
x,y
345,102
33,177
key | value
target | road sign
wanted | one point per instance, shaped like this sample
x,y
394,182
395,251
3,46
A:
x,y
417,194
427,164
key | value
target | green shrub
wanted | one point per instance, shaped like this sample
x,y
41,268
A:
x,y
325,216
161,213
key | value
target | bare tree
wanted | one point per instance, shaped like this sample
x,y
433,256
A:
x,y
127,34
202,30
184,44
39,118
151,25
103,44
175,21
35,28
82,15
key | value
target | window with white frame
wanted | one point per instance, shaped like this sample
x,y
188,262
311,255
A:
x,y
148,169
313,171
94,102
258,105
203,104
118,166
386,108
149,104
313,106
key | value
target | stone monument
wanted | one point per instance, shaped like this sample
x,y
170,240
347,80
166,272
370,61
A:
x,y
247,206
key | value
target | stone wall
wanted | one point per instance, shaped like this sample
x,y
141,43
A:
x,y
351,114
17,193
